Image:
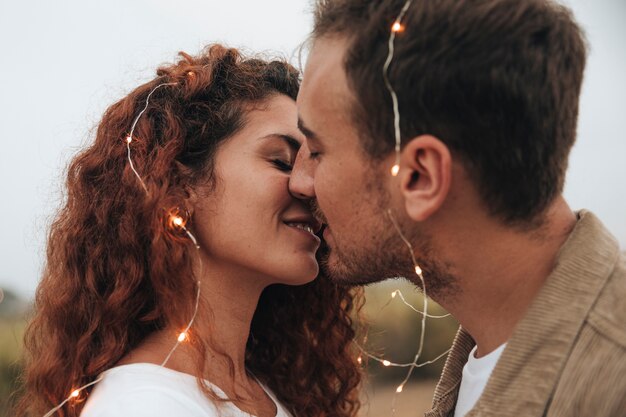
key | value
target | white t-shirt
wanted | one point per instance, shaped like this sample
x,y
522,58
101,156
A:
x,y
148,390
476,373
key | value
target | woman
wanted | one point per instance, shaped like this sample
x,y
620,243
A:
x,y
182,197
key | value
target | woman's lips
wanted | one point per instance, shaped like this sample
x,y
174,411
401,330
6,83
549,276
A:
x,y
305,230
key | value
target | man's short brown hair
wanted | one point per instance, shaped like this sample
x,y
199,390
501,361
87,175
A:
x,y
497,80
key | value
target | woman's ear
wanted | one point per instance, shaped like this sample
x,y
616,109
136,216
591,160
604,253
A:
x,y
191,196
425,176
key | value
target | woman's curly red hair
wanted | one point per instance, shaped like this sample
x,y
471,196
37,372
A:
x,y
113,268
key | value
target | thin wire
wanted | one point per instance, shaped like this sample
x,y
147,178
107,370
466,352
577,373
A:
x,y
418,271
394,96
193,317
78,390
130,137
132,129
421,277
398,292
406,242
432,316
132,166
192,237
387,363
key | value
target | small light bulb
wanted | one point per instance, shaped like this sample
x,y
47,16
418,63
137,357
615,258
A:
x,y
359,360
393,294
182,337
386,362
191,74
395,169
129,139
418,270
397,27
399,389
75,393
177,220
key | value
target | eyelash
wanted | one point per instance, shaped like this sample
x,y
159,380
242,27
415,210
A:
x,y
314,155
282,165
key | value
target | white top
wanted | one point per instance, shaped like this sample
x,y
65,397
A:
x,y
476,373
148,390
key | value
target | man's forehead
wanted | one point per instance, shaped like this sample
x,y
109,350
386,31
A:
x,y
327,55
324,81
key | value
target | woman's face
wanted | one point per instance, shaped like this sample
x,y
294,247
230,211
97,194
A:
x,y
249,221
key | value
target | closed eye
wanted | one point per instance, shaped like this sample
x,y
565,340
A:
x,y
282,165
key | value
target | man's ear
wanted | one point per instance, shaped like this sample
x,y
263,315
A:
x,y
425,176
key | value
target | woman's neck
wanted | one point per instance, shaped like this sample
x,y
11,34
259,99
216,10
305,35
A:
x,y
231,296
228,299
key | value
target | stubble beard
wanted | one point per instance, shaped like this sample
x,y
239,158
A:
x,y
382,254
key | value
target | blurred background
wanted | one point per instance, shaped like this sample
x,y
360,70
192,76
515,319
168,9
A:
x,y
64,62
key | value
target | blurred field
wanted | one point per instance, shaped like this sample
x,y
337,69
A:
x,y
11,332
393,332
414,400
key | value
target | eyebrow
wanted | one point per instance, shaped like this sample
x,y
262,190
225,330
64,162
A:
x,y
290,140
306,131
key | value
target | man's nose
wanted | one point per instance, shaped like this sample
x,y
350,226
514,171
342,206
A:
x,y
301,179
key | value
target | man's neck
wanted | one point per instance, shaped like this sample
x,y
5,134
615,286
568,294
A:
x,y
502,273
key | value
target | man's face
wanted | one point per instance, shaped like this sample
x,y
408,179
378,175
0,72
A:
x,y
352,192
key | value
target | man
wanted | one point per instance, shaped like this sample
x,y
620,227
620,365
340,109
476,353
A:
x,y
488,97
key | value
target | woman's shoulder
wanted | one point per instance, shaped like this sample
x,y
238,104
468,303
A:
x,y
143,389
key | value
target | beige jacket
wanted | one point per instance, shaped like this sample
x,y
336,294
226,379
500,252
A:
x,y
567,356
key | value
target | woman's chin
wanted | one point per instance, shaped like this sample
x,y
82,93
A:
x,y
302,273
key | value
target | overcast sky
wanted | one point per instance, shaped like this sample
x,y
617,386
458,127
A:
x,y
64,62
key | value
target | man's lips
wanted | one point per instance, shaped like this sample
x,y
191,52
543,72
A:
x,y
325,232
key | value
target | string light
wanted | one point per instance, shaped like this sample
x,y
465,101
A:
x,y
418,272
175,222
388,364
184,335
398,294
73,395
130,137
395,28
